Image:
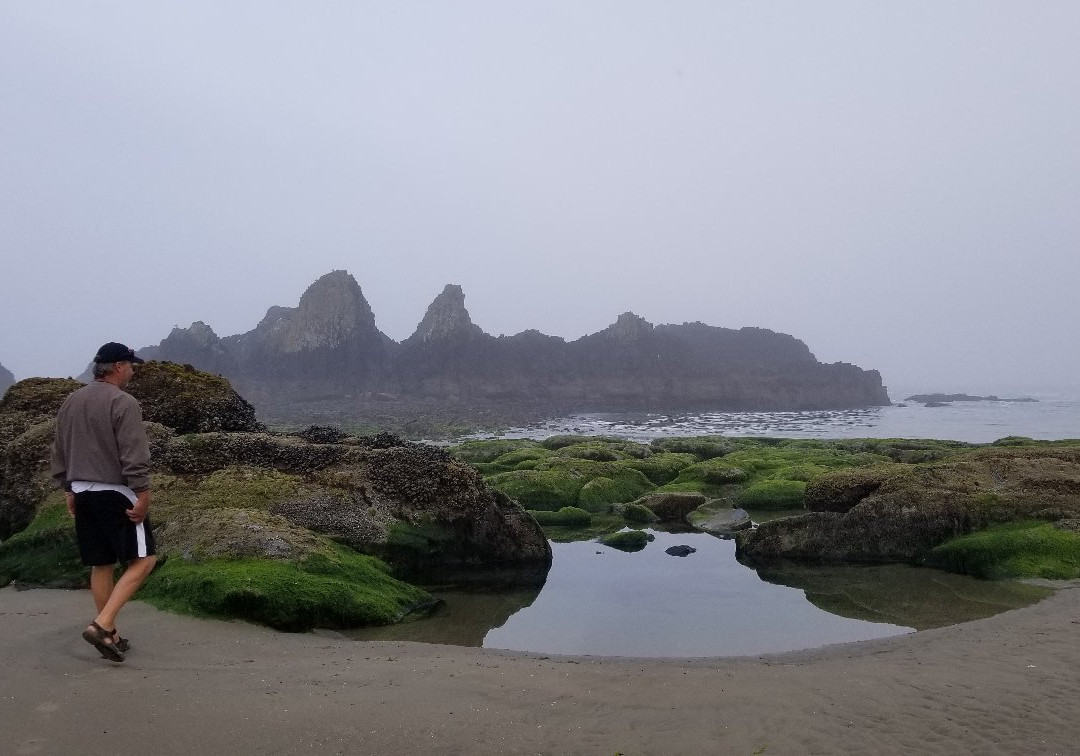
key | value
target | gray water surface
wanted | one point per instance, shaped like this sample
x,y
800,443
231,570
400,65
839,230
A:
x,y
974,422
601,601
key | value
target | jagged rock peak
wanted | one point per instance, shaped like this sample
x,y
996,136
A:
x,y
196,334
446,317
332,311
629,326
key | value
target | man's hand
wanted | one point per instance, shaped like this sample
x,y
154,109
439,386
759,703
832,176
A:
x,y
70,502
138,512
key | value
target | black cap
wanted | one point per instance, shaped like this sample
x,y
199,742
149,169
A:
x,y
115,352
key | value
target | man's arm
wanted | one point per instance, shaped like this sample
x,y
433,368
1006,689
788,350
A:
x,y
133,446
58,462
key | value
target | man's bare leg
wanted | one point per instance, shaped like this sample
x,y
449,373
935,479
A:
x,y
133,577
101,584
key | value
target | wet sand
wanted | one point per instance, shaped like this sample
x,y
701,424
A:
x,y
1008,684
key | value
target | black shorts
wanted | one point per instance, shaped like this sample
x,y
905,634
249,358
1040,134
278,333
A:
x,y
104,532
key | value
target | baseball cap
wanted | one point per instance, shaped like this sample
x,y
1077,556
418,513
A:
x,y
116,352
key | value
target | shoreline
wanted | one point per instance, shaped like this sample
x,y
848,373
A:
x,y
1004,684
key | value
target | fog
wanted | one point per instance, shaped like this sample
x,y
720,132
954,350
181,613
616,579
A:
x,y
896,185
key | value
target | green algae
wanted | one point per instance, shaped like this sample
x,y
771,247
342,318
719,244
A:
x,y
491,449
772,494
638,513
600,493
571,517
702,447
663,467
1014,550
419,540
238,487
336,588
539,489
45,552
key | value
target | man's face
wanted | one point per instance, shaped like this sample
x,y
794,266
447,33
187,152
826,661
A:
x,y
124,371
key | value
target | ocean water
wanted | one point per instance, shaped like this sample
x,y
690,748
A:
x,y
975,422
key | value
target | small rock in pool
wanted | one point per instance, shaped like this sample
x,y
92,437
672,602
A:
x,y
680,551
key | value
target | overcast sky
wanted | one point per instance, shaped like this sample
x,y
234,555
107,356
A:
x,y
896,184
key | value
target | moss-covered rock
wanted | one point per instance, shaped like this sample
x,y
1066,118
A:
x,y
772,494
1014,550
568,481
573,517
672,507
45,552
262,508
604,450
332,588
189,400
489,450
562,441
627,540
702,447
540,489
662,467
638,514
902,512
600,493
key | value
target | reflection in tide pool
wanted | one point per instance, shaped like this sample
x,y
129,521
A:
x,y
600,601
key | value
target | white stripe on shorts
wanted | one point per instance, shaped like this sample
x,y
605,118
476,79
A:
x,y
140,539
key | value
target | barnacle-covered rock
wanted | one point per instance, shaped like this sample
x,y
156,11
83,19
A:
x,y
189,400
27,419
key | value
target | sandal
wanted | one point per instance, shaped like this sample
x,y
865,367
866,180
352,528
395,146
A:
x,y
123,645
102,640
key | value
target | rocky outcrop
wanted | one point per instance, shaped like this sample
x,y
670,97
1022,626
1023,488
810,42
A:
x,y
226,488
327,345
329,349
939,399
27,419
899,513
7,379
189,400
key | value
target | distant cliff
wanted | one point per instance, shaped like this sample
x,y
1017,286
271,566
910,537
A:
x,y
7,378
329,349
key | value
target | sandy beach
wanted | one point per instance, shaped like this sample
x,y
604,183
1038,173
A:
x,y
1008,684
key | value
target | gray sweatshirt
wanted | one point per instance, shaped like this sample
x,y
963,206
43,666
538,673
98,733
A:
x,y
100,438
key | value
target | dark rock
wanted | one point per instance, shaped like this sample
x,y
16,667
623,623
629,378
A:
x,y
322,434
680,551
938,400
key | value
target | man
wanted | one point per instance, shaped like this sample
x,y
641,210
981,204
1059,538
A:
x,y
101,458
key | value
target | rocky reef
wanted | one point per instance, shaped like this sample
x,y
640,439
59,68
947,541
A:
x,y
1011,508
327,355
938,400
312,529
